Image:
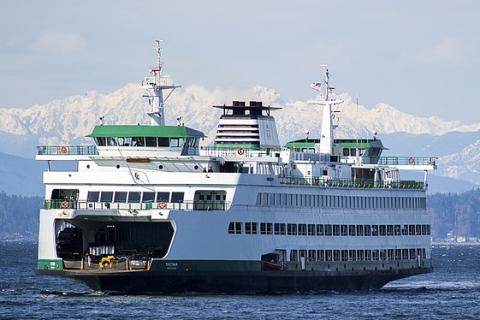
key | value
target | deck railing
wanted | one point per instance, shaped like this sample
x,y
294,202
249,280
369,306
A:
x,y
183,206
229,152
67,150
418,161
359,183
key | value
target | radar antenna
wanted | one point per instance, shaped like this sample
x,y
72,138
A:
x,y
155,84
327,137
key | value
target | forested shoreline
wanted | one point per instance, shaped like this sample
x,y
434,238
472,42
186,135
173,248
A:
x,y
453,214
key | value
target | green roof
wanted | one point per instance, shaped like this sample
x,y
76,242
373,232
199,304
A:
x,y
145,131
302,144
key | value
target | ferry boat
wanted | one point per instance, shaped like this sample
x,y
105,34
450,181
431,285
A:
x,y
152,210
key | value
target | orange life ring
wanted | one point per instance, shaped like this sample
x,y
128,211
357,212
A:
x,y
162,205
411,161
64,204
240,151
64,149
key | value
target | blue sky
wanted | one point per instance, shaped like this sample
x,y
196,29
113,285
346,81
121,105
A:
x,y
419,56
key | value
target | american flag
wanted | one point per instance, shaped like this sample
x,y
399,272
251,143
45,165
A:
x,y
316,86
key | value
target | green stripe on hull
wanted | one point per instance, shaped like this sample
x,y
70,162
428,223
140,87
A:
x,y
50,264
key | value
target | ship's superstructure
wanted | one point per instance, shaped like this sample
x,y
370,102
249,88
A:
x,y
151,210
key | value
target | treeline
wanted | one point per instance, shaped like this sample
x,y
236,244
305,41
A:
x,y
19,215
458,214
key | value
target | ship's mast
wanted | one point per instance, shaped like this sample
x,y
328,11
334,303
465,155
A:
x,y
155,84
327,137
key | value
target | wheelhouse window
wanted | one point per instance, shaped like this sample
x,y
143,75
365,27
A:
x,y
163,196
111,141
101,141
92,196
138,141
177,197
150,142
120,197
134,197
148,197
163,142
106,196
174,142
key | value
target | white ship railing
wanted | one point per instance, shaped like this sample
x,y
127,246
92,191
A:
x,y
182,206
359,183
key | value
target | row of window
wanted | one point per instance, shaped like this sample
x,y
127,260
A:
x,y
343,202
146,142
293,229
358,255
134,196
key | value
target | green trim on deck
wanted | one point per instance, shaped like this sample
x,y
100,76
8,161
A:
x,y
50,264
356,145
300,145
145,131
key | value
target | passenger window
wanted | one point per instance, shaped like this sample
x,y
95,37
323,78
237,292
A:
x,y
120,197
319,229
250,227
293,255
134,197
92,196
106,196
328,229
177,197
238,226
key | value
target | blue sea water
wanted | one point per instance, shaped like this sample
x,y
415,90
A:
x,y
452,291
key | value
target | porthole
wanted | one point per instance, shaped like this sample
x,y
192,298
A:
x,y
88,166
160,167
118,166
195,167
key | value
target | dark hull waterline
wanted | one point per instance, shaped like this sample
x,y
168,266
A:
x,y
215,282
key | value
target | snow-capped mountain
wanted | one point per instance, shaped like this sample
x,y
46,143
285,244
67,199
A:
x,y
463,165
69,120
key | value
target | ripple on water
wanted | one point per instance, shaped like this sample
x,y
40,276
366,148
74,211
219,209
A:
x,y
447,293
